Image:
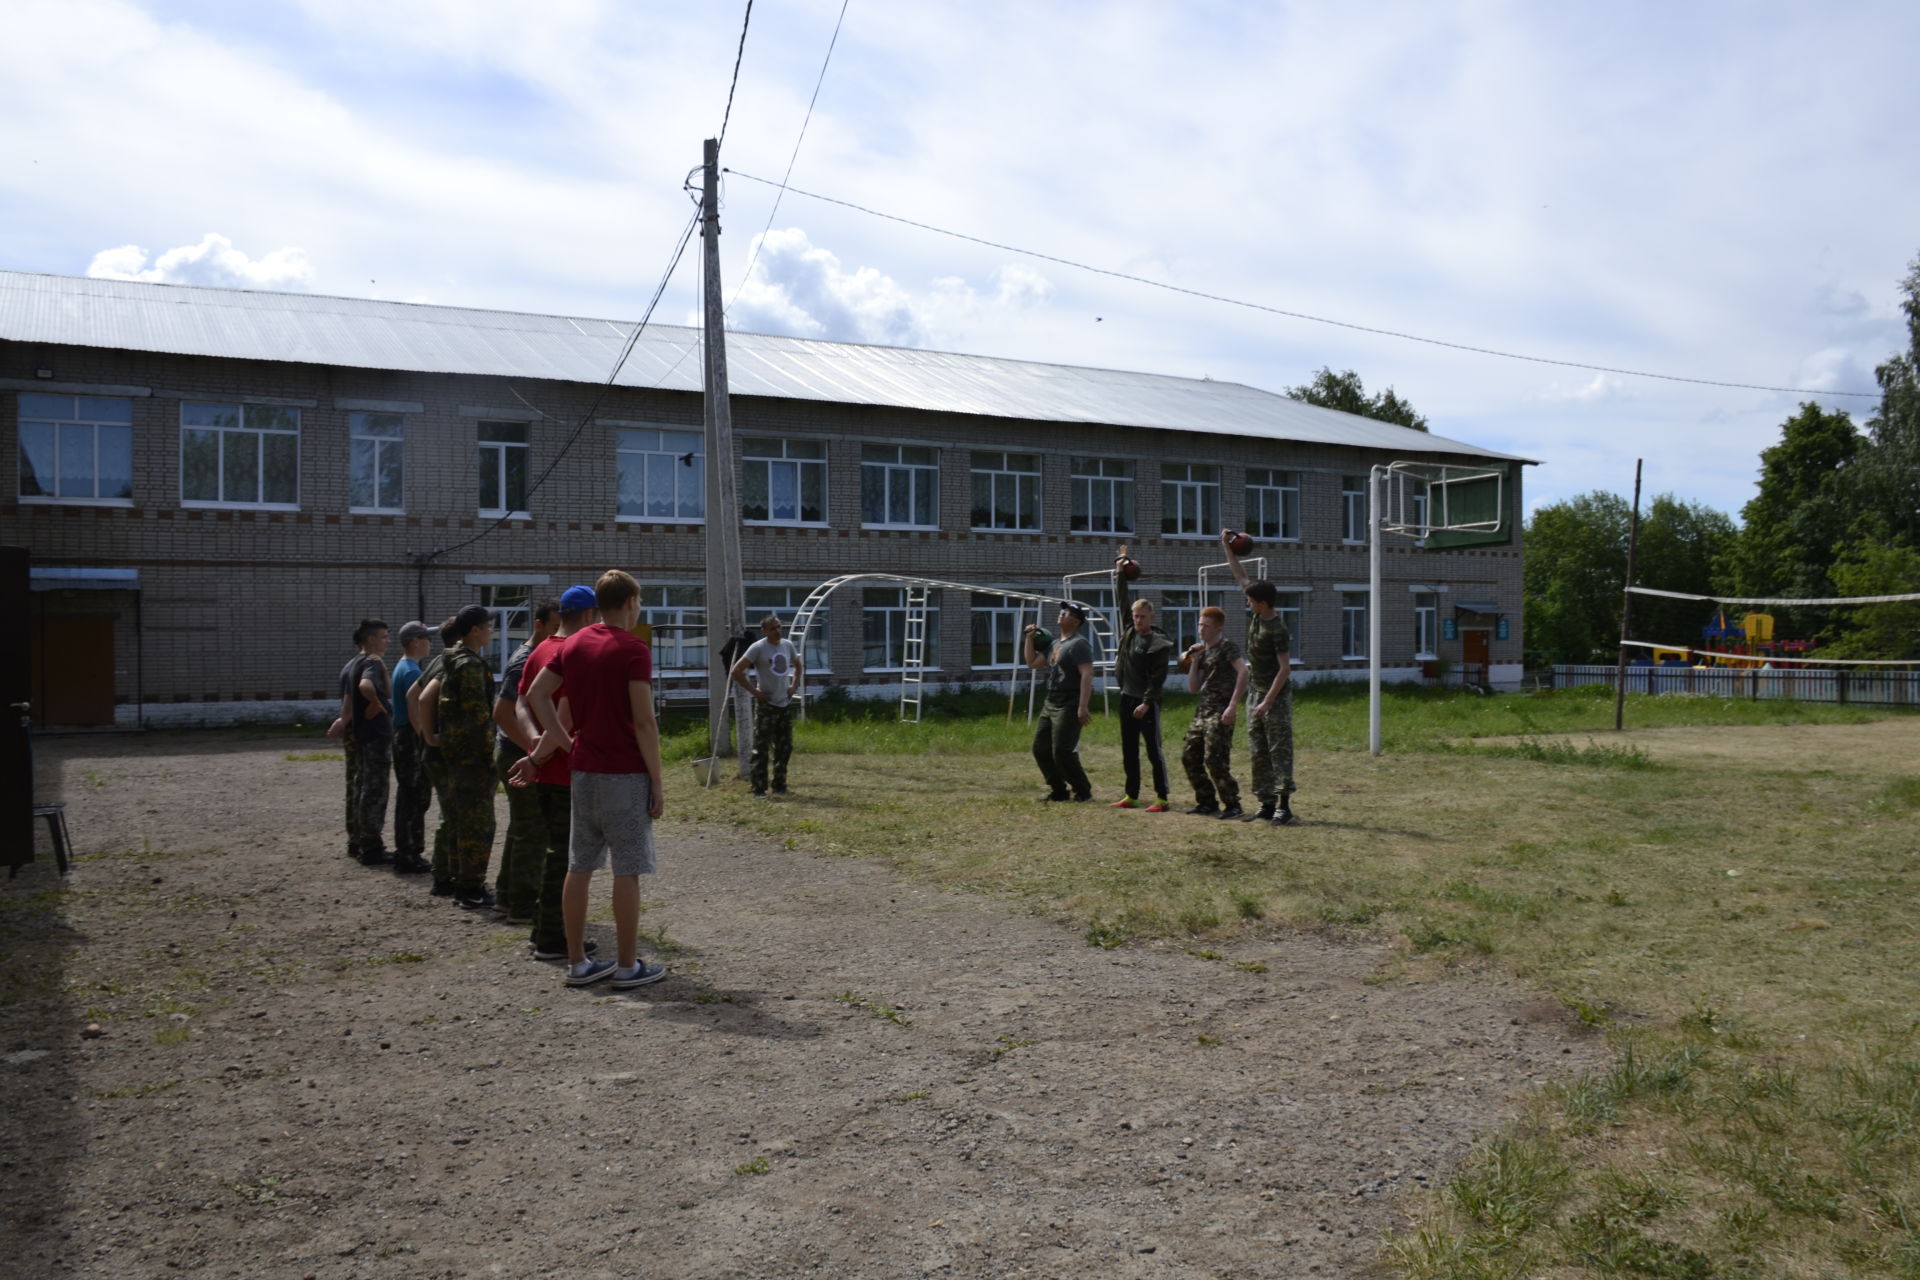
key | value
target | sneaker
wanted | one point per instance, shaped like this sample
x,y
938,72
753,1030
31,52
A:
x,y
441,888
1124,802
375,858
1265,815
1204,810
1230,812
588,972
499,907
1284,818
1053,797
475,900
561,954
1158,806
642,974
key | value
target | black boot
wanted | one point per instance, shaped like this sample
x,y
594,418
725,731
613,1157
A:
x,y
1265,814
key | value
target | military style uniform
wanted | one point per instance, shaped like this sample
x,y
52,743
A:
x,y
373,739
1208,753
1142,667
1270,737
465,727
350,747
1056,738
433,764
523,852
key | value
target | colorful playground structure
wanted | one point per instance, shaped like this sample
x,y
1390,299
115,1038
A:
x,y
1723,644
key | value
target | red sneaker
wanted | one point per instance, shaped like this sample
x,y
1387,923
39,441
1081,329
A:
x,y
1124,802
1158,806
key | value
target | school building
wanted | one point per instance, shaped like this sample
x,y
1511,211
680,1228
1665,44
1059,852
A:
x,y
214,485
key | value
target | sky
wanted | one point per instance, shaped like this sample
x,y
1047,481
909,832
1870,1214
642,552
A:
x,y
1711,190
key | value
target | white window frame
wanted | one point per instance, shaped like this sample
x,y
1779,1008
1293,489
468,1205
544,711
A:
x,y
1292,610
784,603
1179,613
94,426
667,605
679,452
776,457
1280,491
895,471
512,605
357,434
1426,626
1003,471
260,454
894,622
1189,495
1114,477
1005,619
494,453
1353,626
1353,509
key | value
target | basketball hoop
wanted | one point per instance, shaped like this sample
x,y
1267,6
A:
x,y
1420,499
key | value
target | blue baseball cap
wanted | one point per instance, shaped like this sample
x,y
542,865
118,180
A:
x,y
578,600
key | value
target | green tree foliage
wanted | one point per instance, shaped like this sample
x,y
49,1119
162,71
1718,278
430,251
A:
x,y
1793,527
1576,573
1873,568
1343,391
1887,497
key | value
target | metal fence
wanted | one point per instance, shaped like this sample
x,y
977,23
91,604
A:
x,y
1864,686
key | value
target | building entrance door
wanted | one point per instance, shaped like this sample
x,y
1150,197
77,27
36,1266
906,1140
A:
x,y
73,677
1475,650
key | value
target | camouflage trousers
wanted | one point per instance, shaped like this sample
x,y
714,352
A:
x,y
517,885
772,744
436,767
1208,758
411,792
370,795
466,820
351,746
556,812
1270,737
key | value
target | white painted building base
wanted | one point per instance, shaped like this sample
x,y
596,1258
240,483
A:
x,y
223,715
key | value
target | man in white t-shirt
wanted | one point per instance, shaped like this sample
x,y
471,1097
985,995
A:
x,y
776,672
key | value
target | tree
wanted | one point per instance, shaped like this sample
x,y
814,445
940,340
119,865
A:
x,y
1872,568
1888,490
1576,565
1343,391
1680,542
1793,527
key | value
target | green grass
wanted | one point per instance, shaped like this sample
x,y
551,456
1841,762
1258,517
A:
x,y
1739,925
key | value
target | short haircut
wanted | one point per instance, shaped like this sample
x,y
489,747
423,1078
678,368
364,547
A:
x,y
469,619
447,635
615,588
1142,603
366,628
544,609
1213,613
770,618
1264,592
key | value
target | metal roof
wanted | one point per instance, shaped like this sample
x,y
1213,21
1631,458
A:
x,y
369,334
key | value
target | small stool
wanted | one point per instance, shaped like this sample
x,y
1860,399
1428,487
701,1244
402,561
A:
x,y
56,816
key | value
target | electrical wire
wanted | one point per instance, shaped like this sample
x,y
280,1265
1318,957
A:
x,y
772,213
739,53
633,339
1299,315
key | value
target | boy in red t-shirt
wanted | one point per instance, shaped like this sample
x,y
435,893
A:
x,y
550,781
614,769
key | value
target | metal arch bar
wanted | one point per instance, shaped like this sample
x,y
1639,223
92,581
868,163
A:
x,y
1109,640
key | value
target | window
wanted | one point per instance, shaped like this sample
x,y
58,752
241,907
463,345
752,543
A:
x,y
1426,625
503,468
899,486
679,621
1189,500
514,621
884,626
784,603
1353,624
1099,602
76,449
784,481
1273,505
663,474
239,454
377,443
1288,606
1102,495
1006,491
1180,614
1353,508
998,627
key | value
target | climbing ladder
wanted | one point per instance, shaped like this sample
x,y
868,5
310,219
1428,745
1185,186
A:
x,y
913,655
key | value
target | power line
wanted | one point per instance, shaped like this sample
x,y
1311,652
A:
x,y
738,54
1300,315
781,193
633,338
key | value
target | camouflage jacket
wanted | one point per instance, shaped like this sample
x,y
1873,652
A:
x,y
1217,678
464,719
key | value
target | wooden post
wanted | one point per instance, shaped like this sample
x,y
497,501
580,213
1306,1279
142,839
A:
x,y
1626,608
725,596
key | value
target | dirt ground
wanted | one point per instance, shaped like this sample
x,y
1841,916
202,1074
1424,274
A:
x,y
299,1067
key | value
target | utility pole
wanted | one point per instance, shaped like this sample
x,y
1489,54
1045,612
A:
x,y
1626,607
725,598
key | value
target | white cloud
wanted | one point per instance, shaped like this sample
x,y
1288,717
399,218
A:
x,y
214,261
1603,386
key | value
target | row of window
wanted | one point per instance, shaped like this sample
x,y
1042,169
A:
x,y
679,623
80,448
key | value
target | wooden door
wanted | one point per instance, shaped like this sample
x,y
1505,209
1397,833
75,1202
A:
x,y
73,669
1474,651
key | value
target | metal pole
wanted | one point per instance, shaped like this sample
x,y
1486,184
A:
x,y
1375,478
725,597
1626,608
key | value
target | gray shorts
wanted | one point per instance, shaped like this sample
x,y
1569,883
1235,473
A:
x,y
610,815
